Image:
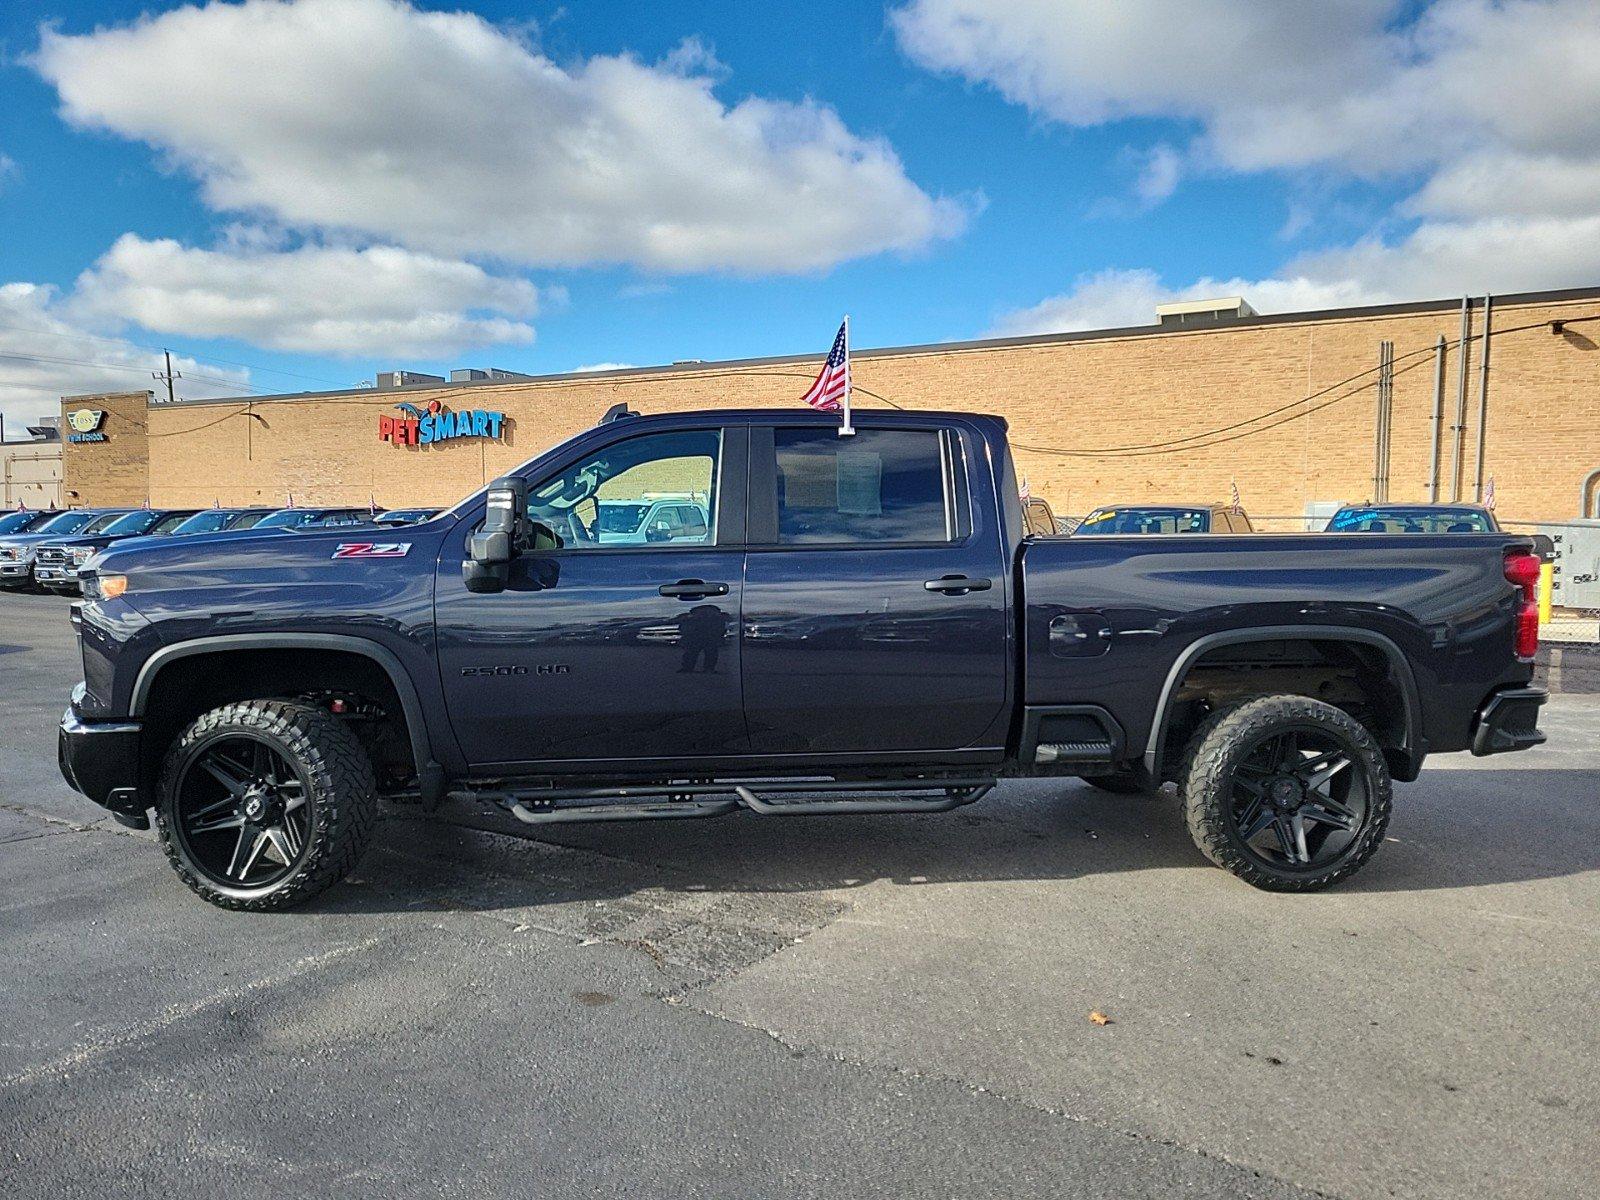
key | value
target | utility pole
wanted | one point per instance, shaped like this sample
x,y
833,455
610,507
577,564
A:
x,y
168,376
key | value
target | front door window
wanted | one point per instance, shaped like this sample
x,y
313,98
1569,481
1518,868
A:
x,y
655,490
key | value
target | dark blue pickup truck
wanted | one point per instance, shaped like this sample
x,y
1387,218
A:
x,y
861,626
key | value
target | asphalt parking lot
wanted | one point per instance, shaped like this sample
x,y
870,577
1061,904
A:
x,y
754,1007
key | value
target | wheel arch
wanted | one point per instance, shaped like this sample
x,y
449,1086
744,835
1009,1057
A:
x,y
1410,744
384,658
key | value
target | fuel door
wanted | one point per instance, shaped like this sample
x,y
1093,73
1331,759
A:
x,y
1079,635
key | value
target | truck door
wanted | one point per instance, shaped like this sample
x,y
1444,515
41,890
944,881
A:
x,y
875,600
623,644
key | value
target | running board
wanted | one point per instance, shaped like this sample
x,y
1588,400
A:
x,y
1074,752
553,806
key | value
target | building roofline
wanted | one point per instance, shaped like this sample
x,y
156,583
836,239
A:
x,y
1001,343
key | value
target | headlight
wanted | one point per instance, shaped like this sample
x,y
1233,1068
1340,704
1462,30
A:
x,y
103,587
9,553
80,554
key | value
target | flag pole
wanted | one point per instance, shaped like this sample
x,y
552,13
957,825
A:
x,y
847,430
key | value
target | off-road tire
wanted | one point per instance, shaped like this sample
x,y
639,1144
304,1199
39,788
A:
x,y
343,795
1206,779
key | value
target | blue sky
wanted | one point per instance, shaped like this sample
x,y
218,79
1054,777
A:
x,y
294,194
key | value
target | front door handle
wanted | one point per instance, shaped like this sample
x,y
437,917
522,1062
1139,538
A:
x,y
957,585
693,589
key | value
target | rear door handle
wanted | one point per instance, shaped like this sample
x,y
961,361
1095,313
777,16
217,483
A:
x,y
693,589
957,585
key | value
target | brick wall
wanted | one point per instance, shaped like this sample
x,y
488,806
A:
x,y
1079,395
116,471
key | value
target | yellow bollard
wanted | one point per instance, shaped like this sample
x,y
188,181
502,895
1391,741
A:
x,y
1547,579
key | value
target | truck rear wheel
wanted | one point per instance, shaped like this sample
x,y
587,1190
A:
x,y
1288,793
265,803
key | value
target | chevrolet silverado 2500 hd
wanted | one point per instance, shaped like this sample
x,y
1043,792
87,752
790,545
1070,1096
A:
x,y
861,625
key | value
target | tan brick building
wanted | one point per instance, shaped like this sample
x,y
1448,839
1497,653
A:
x,y
1285,407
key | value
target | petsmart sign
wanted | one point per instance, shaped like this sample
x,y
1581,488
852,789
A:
x,y
436,423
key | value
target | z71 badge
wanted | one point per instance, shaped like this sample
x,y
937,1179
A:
x,y
372,550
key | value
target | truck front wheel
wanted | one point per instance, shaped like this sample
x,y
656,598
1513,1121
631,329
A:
x,y
265,803
1288,793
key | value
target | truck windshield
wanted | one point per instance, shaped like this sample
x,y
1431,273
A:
x,y
134,522
206,522
67,522
287,518
1410,520
1146,520
17,522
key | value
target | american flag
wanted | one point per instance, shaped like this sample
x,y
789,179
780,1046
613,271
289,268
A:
x,y
831,391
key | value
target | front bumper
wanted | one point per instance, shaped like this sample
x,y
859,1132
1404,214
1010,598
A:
x,y
1509,720
58,578
101,760
16,572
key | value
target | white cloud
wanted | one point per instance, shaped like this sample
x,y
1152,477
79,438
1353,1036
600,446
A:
x,y
312,299
1119,298
44,355
443,132
1158,177
603,366
1288,85
1491,108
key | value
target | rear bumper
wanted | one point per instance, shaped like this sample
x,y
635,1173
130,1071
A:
x,y
101,760
1509,720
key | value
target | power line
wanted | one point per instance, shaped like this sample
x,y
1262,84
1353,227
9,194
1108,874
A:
x,y
1197,441
105,366
223,362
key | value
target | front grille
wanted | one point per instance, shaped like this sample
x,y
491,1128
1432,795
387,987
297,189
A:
x,y
50,556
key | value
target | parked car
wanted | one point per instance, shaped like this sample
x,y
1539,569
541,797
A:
x,y
260,692
58,562
1413,518
406,516
17,550
1164,518
296,518
215,520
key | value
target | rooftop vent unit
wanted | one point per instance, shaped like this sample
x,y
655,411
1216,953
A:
x,y
474,374
389,380
1203,312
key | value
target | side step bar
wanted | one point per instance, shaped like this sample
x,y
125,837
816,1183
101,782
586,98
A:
x,y
553,806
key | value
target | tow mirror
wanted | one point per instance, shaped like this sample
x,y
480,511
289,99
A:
x,y
506,532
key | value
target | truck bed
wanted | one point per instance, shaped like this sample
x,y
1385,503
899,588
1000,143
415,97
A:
x,y
1117,621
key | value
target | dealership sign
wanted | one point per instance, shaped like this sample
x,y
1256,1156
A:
x,y
85,424
436,423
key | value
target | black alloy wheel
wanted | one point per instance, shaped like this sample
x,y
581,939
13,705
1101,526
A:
x,y
262,804
243,811
1287,792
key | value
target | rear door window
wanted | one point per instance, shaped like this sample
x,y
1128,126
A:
x,y
879,486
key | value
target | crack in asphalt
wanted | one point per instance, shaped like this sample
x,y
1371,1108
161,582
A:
x,y
978,1089
85,1053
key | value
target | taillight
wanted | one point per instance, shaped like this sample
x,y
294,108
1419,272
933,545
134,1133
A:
x,y
1522,571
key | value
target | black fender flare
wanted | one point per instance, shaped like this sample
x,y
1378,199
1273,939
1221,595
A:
x,y
1411,740
410,703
